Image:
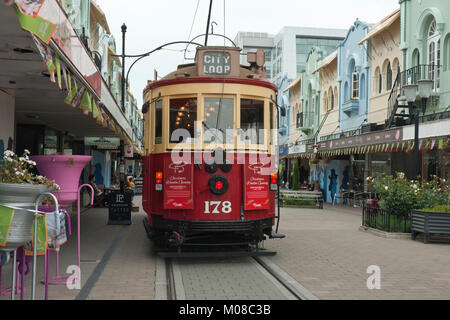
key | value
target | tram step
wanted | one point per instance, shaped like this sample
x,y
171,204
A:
x,y
276,235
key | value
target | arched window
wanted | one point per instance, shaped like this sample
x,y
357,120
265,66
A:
x,y
378,80
434,54
355,84
325,102
331,97
363,87
447,53
388,77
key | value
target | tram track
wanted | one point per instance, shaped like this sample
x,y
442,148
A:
x,y
280,281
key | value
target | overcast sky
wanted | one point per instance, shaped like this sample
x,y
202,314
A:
x,y
152,23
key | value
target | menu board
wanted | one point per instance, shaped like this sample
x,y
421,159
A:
x,y
256,189
178,185
119,208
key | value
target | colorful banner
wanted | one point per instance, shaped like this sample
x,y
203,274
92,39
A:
x,y
6,217
38,26
30,7
86,103
42,239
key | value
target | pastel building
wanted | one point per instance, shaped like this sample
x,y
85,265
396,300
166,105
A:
x,y
354,78
386,61
329,88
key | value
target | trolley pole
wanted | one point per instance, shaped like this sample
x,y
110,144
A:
x,y
207,24
124,83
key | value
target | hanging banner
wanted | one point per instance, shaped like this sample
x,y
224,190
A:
x,y
76,101
42,239
6,217
30,8
38,26
86,103
58,71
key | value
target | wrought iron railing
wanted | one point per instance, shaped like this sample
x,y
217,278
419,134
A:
x,y
384,220
393,102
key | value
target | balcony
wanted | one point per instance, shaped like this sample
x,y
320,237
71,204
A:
x,y
351,107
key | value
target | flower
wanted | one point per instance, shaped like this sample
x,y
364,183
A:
x,y
386,188
26,151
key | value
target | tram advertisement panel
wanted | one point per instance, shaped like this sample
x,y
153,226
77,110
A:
x,y
256,189
178,185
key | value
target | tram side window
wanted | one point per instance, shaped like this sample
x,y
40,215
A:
x,y
219,117
158,122
183,114
252,121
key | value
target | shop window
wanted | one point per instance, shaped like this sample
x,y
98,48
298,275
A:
x,y
381,164
183,114
219,117
158,121
252,121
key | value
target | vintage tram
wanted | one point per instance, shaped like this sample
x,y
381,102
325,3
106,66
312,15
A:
x,y
210,172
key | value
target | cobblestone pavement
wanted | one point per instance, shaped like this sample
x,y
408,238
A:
x,y
326,253
228,279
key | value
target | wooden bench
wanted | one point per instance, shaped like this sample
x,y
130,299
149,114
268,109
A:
x,y
317,196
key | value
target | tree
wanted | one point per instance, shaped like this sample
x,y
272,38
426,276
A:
x,y
296,177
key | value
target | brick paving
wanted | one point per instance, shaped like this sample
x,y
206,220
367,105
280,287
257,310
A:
x,y
129,273
324,251
327,254
227,279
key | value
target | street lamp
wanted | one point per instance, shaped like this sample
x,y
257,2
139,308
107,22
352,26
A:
x,y
423,88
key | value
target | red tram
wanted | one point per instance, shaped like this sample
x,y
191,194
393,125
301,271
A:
x,y
210,171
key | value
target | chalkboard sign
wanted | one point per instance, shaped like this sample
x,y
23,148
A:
x,y
138,183
119,208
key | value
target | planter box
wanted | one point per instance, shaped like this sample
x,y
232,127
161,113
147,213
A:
x,y
20,196
429,223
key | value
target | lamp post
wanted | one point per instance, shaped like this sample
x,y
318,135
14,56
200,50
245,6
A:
x,y
423,88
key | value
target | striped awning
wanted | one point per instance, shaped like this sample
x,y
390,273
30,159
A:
x,y
382,25
293,84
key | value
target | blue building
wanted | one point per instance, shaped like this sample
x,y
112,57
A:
x,y
283,101
354,78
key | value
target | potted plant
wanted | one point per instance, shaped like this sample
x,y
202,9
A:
x,y
65,171
19,188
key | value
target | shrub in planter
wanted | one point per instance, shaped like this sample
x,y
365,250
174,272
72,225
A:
x,y
399,195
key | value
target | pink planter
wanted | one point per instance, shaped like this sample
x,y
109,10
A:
x,y
66,171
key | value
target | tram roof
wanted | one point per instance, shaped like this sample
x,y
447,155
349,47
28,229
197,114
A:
x,y
185,73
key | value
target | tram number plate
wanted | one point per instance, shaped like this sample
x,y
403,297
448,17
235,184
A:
x,y
217,207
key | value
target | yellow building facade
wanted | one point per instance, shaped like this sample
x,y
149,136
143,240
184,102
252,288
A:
x,y
386,60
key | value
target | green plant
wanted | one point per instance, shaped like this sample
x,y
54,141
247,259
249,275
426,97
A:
x,y
15,169
296,177
400,195
441,208
295,202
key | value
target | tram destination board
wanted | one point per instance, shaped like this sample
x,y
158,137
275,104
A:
x,y
119,208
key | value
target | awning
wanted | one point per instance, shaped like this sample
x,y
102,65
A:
x,y
382,25
325,62
99,16
293,84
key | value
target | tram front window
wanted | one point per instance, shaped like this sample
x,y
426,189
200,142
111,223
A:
x,y
252,121
218,118
183,114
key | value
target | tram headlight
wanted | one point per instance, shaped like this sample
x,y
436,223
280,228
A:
x,y
218,184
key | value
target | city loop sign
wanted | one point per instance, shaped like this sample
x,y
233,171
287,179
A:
x,y
217,63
